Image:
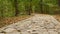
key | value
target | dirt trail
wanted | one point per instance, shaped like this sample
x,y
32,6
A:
x,y
37,24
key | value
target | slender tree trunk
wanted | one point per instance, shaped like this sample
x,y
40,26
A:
x,y
41,6
30,8
16,7
59,2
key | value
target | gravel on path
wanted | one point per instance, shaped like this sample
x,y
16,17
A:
x,y
37,24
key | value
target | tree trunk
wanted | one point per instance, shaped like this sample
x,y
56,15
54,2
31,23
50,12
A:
x,y
41,6
16,7
59,2
30,8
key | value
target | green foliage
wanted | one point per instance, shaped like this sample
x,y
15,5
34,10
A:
x,y
7,8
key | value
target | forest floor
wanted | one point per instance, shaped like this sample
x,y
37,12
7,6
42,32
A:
x,y
11,20
57,17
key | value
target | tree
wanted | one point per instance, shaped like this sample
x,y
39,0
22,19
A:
x,y
41,5
59,2
30,7
16,7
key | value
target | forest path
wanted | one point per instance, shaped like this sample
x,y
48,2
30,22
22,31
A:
x,y
37,24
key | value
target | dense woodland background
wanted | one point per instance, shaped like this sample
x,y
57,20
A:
x,y
10,8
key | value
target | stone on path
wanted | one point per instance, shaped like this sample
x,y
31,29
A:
x,y
38,24
9,30
1,33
